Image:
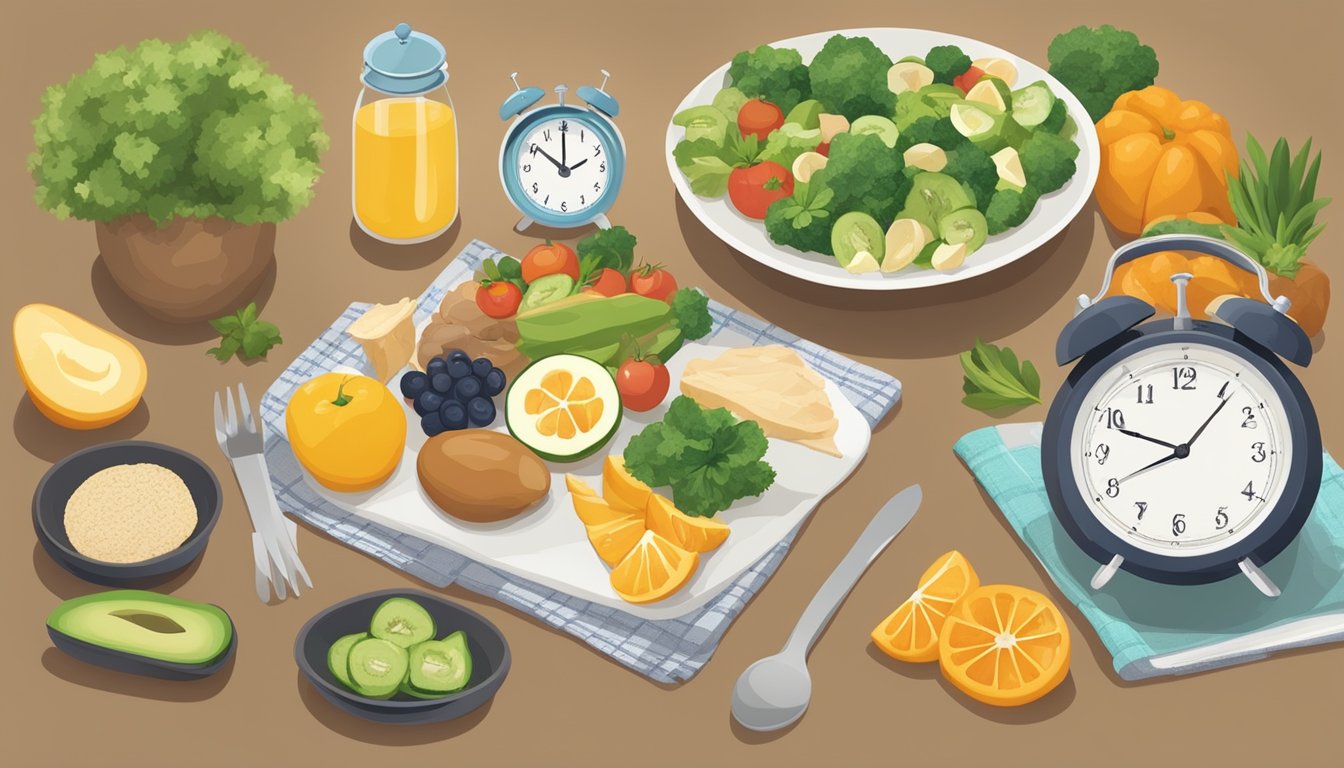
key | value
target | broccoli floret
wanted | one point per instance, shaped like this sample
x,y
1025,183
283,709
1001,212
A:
x,y
803,219
1100,64
911,107
849,76
776,75
1047,161
948,62
866,175
975,169
1008,208
938,131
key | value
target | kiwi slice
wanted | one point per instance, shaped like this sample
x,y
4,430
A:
x,y
440,666
338,656
858,241
878,125
376,667
967,226
402,622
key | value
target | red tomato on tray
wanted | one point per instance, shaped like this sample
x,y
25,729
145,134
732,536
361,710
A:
x,y
609,282
499,299
550,259
643,383
653,282
753,189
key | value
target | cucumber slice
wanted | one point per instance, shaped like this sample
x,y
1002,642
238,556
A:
x,y
563,407
402,622
934,195
704,122
440,666
545,290
1032,104
876,124
729,101
338,656
858,242
415,693
377,667
964,227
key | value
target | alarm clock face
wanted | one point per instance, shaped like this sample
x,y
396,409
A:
x,y
1181,449
563,165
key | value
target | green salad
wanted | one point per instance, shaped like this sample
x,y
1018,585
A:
x,y
884,165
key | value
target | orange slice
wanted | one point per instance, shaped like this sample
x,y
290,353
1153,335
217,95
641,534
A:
x,y
1004,645
577,487
615,540
697,534
654,569
620,488
910,633
565,404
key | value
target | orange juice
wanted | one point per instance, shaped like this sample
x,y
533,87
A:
x,y
405,168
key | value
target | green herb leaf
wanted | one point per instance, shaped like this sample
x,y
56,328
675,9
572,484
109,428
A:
x,y
690,313
609,249
226,349
708,457
243,334
994,378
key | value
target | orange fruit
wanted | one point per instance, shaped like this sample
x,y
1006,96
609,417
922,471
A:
x,y
697,534
565,404
1004,645
577,487
621,488
654,569
910,633
615,540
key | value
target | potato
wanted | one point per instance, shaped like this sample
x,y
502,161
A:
x,y
481,476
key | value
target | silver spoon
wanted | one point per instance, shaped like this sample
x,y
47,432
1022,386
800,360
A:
x,y
773,693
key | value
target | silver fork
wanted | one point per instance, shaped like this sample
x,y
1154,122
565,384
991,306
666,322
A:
x,y
242,443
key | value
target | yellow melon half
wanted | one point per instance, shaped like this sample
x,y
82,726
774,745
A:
x,y
77,374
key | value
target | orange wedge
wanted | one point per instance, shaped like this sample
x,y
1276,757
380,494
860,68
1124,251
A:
x,y
654,569
621,488
910,633
1004,645
615,541
697,534
577,487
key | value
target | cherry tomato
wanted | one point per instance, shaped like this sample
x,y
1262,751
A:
x,y
499,299
653,282
759,118
824,149
967,80
609,282
753,189
643,383
550,259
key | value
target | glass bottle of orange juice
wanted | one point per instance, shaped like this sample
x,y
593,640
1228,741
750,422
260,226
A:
x,y
405,140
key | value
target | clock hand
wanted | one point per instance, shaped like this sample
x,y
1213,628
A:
x,y
576,165
1132,433
1200,431
1169,457
547,155
563,160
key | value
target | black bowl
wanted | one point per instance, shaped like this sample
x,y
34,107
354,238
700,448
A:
x,y
134,664
490,658
66,475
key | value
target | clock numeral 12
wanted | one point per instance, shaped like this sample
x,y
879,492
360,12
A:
x,y
1183,377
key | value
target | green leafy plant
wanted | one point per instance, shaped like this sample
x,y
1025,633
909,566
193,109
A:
x,y
1100,64
612,248
1276,205
244,334
708,457
994,379
192,129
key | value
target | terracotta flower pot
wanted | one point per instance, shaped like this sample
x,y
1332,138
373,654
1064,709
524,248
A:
x,y
190,270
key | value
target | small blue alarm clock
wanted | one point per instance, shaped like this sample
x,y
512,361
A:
x,y
1183,451
562,165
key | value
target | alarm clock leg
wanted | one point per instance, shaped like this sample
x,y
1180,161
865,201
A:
x,y
1258,577
523,224
602,221
1106,572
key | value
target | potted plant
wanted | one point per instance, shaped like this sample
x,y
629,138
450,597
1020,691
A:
x,y
185,156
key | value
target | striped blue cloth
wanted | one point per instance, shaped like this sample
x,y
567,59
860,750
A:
x,y
667,651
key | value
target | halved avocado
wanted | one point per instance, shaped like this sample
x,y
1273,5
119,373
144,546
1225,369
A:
x,y
563,407
146,624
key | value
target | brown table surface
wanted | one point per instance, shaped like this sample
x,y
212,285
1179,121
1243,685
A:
x,y
1272,72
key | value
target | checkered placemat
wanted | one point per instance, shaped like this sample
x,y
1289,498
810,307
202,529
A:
x,y
667,651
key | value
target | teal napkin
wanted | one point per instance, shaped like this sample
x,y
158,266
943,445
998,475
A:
x,y
1156,629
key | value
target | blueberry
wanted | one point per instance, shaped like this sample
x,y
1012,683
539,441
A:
x,y
413,383
432,424
436,366
466,389
453,415
481,411
441,383
480,367
428,402
458,354
459,369
494,382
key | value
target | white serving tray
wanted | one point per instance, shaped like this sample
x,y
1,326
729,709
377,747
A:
x,y
548,544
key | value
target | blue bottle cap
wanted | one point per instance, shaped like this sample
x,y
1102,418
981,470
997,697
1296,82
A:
x,y
404,62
